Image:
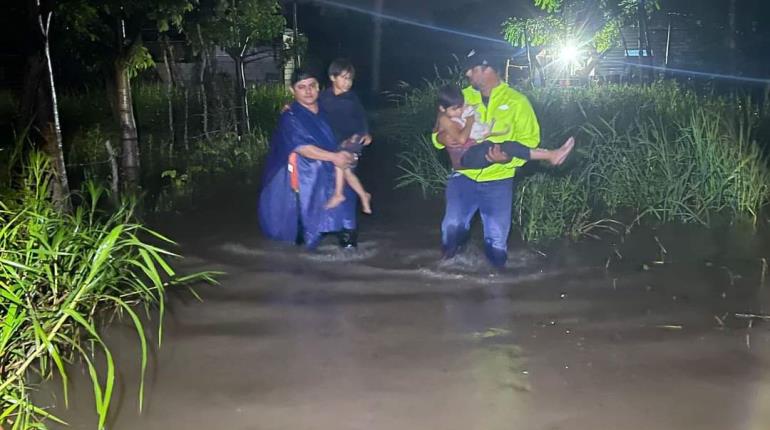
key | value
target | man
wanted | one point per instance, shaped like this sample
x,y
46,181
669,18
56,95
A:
x,y
490,190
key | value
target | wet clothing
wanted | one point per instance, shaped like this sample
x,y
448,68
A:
x,y
473,155
345,113
285,214
489,190
493,199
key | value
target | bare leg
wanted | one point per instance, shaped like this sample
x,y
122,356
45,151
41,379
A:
x,y
355,184
339,185
554,157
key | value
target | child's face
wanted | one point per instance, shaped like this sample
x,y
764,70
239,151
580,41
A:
x,y
454,111
342,82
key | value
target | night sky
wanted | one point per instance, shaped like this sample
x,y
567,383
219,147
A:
x,y
409,53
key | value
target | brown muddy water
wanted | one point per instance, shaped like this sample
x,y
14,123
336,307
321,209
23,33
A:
x,y
387,337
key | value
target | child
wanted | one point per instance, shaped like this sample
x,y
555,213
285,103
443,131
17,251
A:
x,y
460,130
347,118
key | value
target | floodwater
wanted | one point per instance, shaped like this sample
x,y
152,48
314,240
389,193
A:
x,y
387,337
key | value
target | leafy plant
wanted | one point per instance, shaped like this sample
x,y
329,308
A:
x,y
60,274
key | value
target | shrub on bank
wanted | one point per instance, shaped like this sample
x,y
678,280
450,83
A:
x,y
60,275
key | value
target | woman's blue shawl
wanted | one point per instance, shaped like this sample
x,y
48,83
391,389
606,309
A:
x,y
282,212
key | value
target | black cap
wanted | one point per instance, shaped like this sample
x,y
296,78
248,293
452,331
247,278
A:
x,y
479,58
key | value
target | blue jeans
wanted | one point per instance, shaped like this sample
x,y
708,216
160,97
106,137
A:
x,y
493,199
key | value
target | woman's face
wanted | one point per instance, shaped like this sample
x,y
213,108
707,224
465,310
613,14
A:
x,y
306,91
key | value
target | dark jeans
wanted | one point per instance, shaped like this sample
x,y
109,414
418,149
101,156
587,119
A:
x,y
493,199
476,156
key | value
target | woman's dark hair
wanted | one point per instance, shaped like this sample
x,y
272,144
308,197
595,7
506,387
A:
x,y
301,75
340,66
449,96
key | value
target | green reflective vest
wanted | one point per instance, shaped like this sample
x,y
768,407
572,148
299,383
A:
x,y
509,109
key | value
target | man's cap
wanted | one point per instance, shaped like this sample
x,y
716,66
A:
x,y
480,58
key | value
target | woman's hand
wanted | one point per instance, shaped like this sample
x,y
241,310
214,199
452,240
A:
x,y
341,159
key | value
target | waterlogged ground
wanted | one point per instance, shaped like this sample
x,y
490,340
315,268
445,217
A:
x,y
387,338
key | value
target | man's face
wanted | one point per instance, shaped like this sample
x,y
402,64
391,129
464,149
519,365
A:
x,y
475,76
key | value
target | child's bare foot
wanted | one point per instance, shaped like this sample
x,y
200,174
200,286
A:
x,y
335,201
366,204
563,152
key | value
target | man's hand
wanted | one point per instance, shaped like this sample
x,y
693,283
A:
x,y
366,140
496,155
342,159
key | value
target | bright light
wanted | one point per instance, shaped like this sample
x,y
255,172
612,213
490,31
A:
x,y
569,53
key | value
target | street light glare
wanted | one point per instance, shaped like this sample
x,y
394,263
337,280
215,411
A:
x,y
569,53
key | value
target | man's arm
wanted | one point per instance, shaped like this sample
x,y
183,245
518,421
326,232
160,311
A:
x,y
525,127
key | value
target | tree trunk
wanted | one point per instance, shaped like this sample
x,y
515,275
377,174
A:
x,y
61,186
295,39
129,138
644,42
540,72
377,46
115,171
169,95
530,76
186,120
202,82
241,103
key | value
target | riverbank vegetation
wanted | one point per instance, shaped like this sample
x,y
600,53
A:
x,y
62,276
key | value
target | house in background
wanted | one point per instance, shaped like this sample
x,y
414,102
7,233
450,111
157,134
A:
x,y
672,44
265,64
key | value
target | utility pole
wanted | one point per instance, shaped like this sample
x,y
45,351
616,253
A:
x,y
731,36
377,46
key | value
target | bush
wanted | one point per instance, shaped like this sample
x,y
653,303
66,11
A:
x,y
62,273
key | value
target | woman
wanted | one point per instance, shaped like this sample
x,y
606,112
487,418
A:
x,y
299,172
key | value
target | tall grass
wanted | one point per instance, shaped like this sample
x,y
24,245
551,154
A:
x,y
656,153
60,275
423,157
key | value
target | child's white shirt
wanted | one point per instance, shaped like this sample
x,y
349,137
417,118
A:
x,y
479,130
